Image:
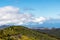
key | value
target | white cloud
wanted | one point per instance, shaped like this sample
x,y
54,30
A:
x,y
9,14
40,19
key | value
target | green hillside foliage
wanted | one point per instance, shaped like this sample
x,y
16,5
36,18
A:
x,y
55,32
22,33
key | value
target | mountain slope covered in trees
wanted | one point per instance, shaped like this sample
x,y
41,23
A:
x,y
53,32
23,33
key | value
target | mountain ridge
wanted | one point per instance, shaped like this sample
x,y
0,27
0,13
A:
x,y
22,33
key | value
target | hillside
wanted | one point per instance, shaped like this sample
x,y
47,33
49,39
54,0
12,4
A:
x,y
23,33
53,32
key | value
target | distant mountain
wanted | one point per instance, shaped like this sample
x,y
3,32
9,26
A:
x,y
23,33
4,26
46,24
53,32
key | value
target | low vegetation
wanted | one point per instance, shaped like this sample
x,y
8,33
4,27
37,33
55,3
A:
x,y
23,33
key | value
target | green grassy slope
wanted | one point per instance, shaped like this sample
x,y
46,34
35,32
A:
x,y
22,33
52,32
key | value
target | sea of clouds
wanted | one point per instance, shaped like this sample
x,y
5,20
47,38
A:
x,y
12,15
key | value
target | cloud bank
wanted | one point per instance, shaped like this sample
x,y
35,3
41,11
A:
x,y
12,15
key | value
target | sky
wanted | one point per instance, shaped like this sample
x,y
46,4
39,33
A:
x,y
29,11
51,8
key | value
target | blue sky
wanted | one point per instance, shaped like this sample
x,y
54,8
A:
x,y
46,8
45,12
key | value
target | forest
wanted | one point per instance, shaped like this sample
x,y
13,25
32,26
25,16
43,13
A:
x,y
23,33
